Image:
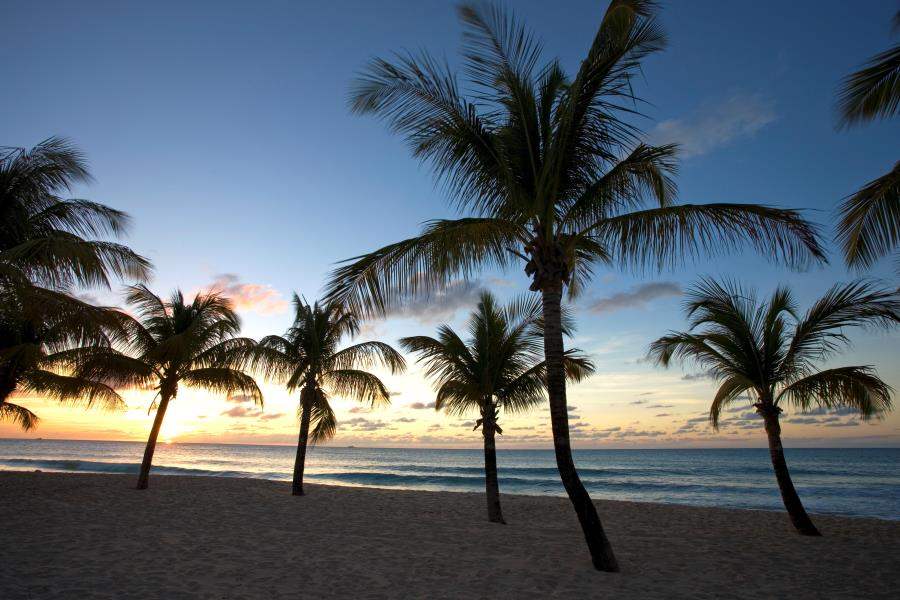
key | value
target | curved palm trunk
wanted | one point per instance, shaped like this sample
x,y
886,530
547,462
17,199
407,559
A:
x,y
797,513
601,550
144,476
300,460
491,485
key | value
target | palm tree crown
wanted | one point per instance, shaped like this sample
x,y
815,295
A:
x,y
173,343
309,356
499,367
547,165
769,351
41,333
45,238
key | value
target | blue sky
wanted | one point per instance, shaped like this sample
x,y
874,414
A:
x,y
223,128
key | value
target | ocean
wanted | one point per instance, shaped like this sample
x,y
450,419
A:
x,y
862,482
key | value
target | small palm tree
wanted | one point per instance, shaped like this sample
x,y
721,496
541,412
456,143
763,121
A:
x,y
41,333
552,173
768,352
307,358
173,344
46,239
869,226
500,367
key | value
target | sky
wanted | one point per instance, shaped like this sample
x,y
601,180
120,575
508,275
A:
x,y
223,129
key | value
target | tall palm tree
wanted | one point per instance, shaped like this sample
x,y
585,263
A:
x,y
767,352
41,332
308,358
551,174
172,344
45,238
500,367
869,226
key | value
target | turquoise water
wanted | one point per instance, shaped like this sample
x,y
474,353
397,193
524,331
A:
x,y
856,481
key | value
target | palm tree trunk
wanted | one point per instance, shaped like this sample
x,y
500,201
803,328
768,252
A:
x,y
144,476
491,485
601,550
792,503
300,460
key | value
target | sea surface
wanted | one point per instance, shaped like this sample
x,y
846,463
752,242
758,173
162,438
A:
x,y
856,482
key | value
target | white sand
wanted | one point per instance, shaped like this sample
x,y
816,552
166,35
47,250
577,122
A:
x,y
93,536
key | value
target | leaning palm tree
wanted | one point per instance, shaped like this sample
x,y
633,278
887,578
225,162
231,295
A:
x,y
41,332
47,239
500,367
768,352
869,226
308,358
172,344
550,173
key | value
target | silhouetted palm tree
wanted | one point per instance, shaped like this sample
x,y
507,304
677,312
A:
x,y
46,238
768,352
173,344
553,176
500,367
44,250
41,333
307,358
869,225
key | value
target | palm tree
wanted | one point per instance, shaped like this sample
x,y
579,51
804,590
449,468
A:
x,y
768,352
42,237
41,333
499,367
43,253
171,344
307,358
869,226
552,175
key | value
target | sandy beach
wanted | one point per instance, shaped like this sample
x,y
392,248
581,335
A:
x,y
93,536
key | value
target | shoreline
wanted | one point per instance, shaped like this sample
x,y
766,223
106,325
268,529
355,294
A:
x,y
92,535
314,484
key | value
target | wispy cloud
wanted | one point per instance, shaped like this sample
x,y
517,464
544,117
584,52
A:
x,y
637,297
421,405
251,297
715,125
443,304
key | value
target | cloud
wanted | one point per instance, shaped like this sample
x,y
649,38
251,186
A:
x,y
270,416
360,409
638,402
441,305
250,297
660,406
637,297
713,126
698,376
420,405
405,420
240,411
239,399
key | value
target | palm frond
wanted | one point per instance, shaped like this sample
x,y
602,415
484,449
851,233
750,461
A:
x,y
357,385
71,389
373,283
869,226
224,380
18,415
857,387
730,390
323,419
662,237
366,355
873,92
